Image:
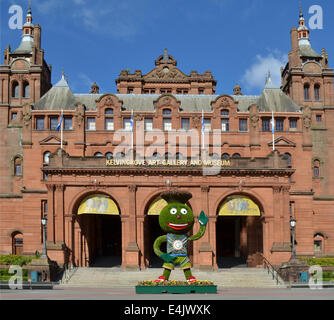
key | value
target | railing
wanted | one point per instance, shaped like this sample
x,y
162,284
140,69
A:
x,y
268,266
69,271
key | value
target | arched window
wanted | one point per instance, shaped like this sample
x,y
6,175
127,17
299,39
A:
x,y
316,169
316,92
287,158
225,156
109,112
318,242
15,89
306,91
26,88
109,155
120,155
167,112
236,155
17,166
156,155
98,154
168,155
215,156
46,156
179,156
17,243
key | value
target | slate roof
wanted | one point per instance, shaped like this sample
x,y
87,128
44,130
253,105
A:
x,y
60,97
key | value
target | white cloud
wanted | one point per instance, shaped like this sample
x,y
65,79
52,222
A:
x,y
254,77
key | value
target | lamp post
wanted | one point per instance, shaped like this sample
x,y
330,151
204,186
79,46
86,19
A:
x,y
44,221
293,226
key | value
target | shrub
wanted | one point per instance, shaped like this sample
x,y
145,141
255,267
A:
x,y
319,261
15,259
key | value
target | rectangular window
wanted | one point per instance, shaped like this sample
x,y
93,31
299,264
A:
x,y
207,124
293,123
225,124
53,123
185,124
109,124
91,124
40,123
318,118
317,245
130,90
148,124
167,123
68,123
14,116
127,124
279,125
243,125
266,125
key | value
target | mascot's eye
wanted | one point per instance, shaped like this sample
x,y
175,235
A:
x,y
173,211
184,211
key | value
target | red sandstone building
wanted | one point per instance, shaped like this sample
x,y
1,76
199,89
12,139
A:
x,y
101,204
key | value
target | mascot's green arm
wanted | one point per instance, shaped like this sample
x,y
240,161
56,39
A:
x,y
157,245
203,220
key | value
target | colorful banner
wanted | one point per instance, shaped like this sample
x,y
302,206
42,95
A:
x,y
156,207
98,204
239,206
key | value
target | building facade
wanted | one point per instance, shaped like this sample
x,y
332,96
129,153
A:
x,y
99,178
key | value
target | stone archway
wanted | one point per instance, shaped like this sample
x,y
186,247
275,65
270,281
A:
x,y
239,233
97,231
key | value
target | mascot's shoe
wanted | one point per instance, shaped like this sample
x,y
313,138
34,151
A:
x,y
161,279
191,279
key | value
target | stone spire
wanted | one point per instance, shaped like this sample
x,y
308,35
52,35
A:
x,y
237,90
94,89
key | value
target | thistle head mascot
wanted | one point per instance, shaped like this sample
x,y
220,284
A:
x,y
177,220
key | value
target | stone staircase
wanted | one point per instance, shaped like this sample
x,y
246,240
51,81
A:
x,y
224,278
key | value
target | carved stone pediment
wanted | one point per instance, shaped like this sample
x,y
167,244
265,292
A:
x,y
166,73
52,140
282,142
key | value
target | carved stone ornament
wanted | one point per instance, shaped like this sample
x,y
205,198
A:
x,y
254,120
108,101
26,115
225,102
307,117
80,115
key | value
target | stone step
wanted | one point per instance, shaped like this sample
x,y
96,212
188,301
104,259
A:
x,y
107,277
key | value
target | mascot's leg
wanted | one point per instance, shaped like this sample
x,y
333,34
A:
x,y
166,273
186,266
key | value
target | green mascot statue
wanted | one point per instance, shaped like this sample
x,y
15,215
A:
x,y
177,219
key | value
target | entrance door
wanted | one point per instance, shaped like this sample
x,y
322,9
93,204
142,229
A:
x,y
229,248
102,234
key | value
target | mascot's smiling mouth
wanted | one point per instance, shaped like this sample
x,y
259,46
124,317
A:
x,y
178,226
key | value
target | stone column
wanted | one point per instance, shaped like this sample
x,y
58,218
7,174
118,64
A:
x,y
205,248
132,250
51,213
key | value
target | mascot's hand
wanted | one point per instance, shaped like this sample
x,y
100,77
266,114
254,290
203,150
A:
x,y
167,257
203,219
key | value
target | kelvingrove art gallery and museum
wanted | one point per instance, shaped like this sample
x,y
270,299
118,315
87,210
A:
x,y
96,164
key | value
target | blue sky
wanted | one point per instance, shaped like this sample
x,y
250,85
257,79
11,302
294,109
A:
x,y
238,40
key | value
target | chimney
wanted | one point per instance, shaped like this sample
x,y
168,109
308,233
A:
x,y
37,36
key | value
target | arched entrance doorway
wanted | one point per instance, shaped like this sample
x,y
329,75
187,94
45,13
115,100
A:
x,y
239,234
98,232
152,231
